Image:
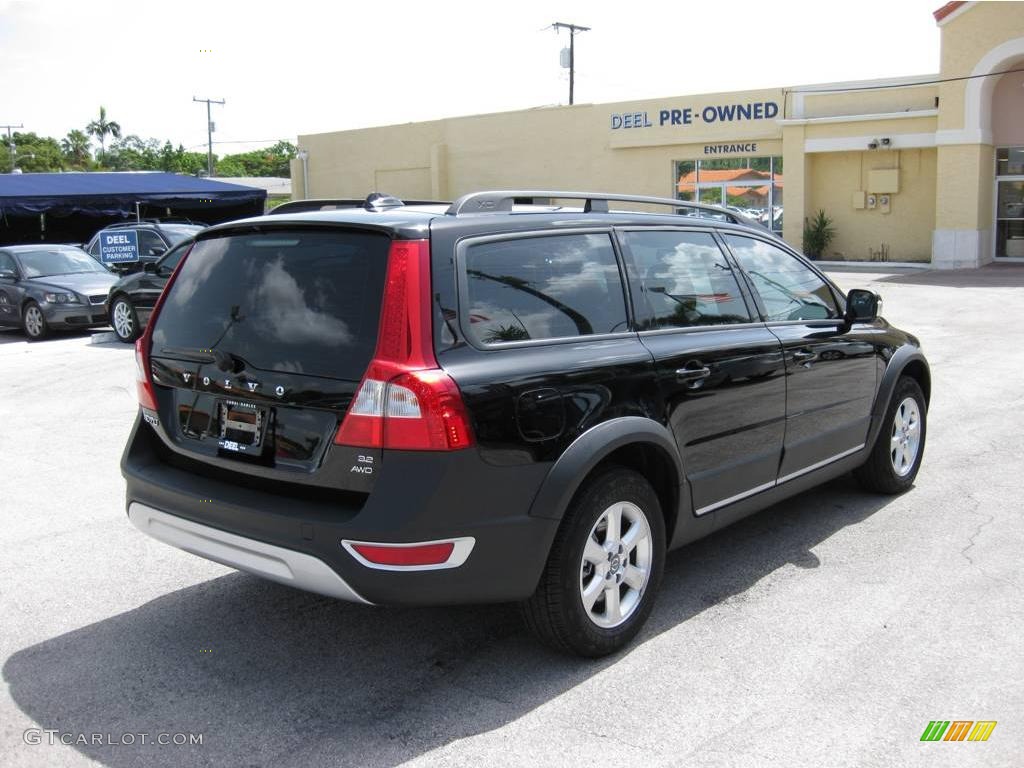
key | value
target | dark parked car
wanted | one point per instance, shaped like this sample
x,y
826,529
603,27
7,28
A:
x,y
486,402
132,298
155,239
46,288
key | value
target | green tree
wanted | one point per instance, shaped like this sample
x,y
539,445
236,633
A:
x,y
34,154
178,160
272,161
132,153
102,128
75,147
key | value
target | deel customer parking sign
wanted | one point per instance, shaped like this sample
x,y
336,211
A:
x,y
119,246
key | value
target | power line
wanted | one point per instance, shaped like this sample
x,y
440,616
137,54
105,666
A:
x,y
903,85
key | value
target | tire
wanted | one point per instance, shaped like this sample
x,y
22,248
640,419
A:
x,y
896,456
582,556
124,320
33,323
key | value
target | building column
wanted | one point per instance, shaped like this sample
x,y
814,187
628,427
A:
x,y
796,184
964,181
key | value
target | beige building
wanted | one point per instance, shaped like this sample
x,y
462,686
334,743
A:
x,y
924,169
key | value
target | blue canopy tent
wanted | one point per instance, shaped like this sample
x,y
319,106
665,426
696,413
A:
x,y
71,207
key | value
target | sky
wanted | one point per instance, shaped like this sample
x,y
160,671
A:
x,y
298,67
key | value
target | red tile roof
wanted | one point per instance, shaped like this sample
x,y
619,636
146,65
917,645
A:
x,y
945,10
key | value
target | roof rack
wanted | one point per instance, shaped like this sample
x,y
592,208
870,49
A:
x,y
375,201
157,222
496,201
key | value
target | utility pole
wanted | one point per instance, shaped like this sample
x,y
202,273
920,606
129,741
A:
x,y
573,29
10,144
209,133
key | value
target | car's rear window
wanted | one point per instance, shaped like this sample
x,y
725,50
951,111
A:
x,y
296,301
178,232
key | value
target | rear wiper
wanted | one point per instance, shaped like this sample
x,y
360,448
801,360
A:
x,y
187,353
226,361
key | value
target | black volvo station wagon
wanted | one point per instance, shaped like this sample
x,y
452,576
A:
x,y
504,399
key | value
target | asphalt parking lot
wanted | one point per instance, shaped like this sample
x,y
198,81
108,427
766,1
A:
x,y
826,631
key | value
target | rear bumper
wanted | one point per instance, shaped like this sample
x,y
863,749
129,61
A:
x,y
418,497
275,563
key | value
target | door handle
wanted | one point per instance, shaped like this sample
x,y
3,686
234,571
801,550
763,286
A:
x,y
804,355
691,375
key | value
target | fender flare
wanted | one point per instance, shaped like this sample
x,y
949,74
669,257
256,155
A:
x,y
898,363
588,450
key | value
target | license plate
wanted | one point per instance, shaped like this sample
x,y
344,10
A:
x,y
241,426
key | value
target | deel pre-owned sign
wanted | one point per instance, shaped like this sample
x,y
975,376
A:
x,y
713,113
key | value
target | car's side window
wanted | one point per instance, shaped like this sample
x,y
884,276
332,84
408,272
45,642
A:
x,y
788,289
686,280
6,262
148,241
542,288
94,248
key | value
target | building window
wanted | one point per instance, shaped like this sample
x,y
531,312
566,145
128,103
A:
x,y
751,186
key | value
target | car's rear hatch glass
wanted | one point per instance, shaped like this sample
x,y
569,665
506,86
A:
x,y
304,302
262,340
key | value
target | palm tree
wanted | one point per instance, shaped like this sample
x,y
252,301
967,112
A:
x,y
76,147
102,128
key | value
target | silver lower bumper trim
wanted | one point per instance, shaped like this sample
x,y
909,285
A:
x,y
285,566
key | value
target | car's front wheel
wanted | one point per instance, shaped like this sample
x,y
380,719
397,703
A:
x,y
34,323
896,456
605,565
124,320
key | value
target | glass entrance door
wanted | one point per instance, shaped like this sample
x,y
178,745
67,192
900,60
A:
x,y
1010,218
1010,203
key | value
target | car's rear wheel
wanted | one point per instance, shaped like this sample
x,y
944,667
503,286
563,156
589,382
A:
x,y
33,323
124,320
896,456
605,565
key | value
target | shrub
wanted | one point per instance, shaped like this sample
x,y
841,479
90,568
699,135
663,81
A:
x,y
818,235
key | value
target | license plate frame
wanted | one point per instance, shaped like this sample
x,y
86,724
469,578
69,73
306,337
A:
x,y
241,426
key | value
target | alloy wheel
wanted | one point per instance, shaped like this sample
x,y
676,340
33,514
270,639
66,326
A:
x,y
34,321
124,324
905,440
616,566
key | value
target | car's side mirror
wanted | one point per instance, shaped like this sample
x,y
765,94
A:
x,y
149,267
8,274
862,306
157,251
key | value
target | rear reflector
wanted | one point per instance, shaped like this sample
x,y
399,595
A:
x,y
424,554
405,400
417,556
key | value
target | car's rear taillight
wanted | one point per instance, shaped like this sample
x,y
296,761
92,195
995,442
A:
x,y
143,378
405,401
143,384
